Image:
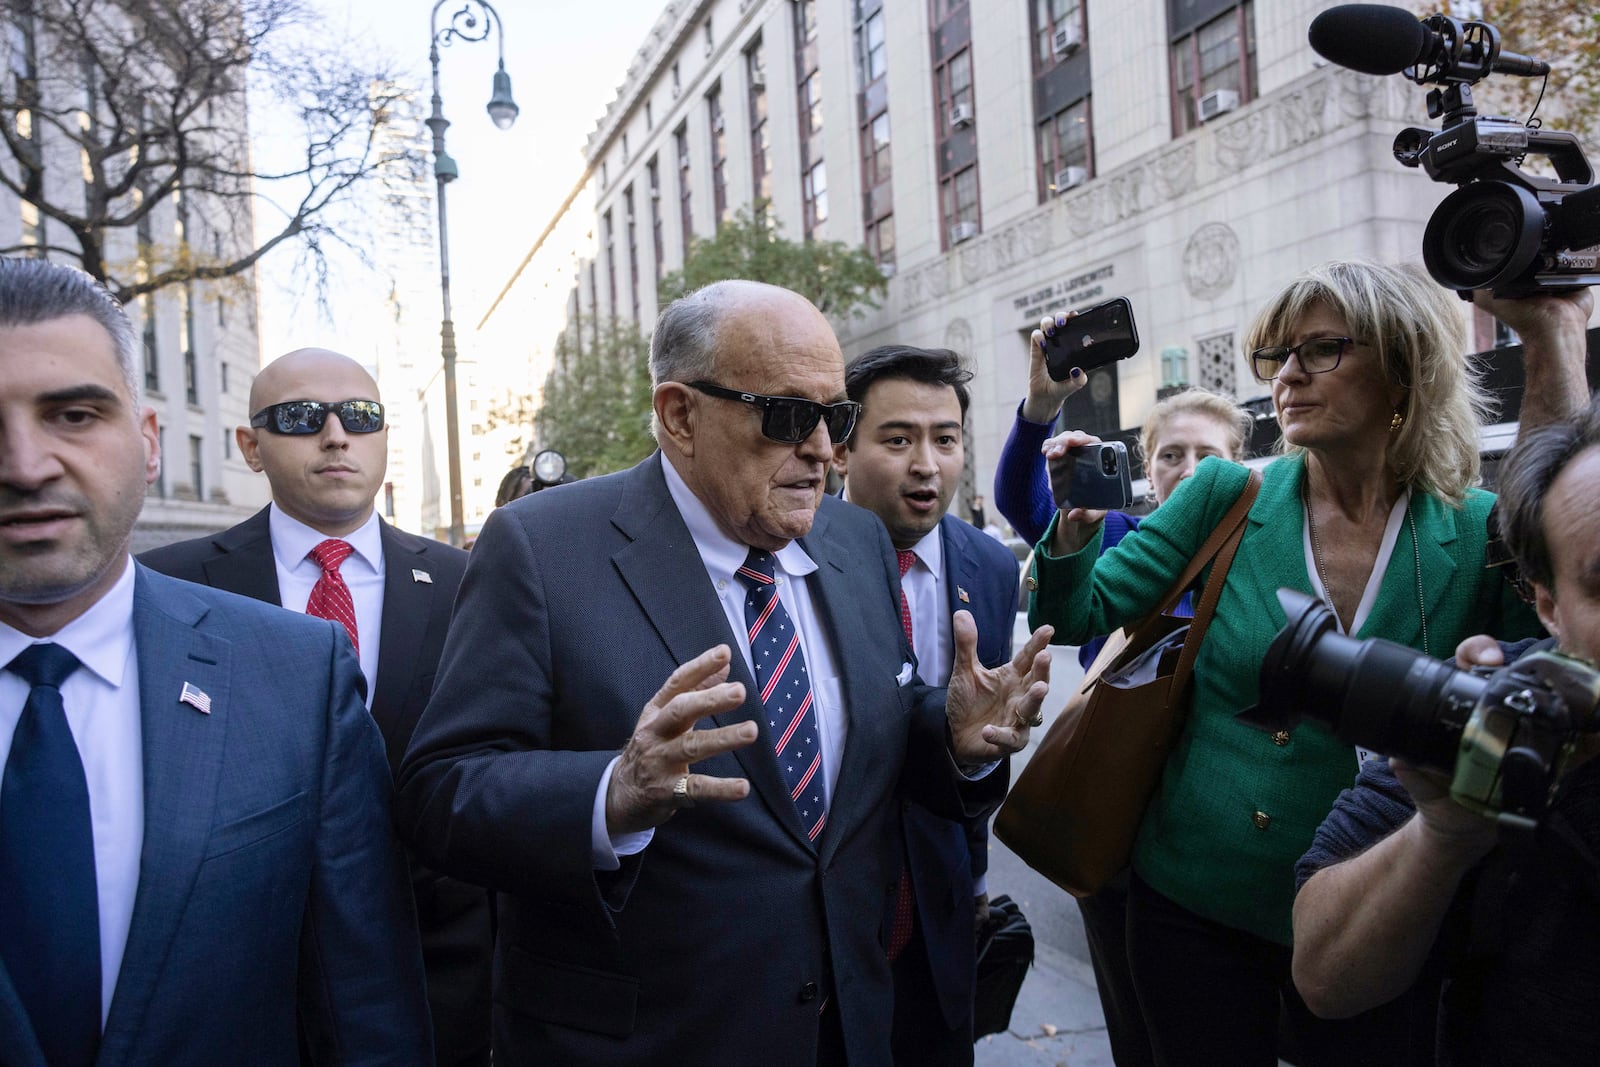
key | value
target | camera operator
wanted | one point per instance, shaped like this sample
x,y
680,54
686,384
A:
x,y
1404,887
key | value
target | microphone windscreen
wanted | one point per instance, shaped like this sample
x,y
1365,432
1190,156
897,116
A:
x,y
1370,38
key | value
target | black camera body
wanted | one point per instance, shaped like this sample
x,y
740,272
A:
x,y
1506,735
1504,229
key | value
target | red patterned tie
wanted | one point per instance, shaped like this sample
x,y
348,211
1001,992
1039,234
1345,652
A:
x,y
330,597
900,932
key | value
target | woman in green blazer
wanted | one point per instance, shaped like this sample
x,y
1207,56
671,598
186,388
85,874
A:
x,y
1372,510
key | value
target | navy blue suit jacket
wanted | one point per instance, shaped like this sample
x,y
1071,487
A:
x,y
455,918
270,881
947,857
719,942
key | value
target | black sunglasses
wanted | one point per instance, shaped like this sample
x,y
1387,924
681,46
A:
x,y
307,416
791,419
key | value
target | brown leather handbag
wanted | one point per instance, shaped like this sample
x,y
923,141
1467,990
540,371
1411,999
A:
x,y
1074,811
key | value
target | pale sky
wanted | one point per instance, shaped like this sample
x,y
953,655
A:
x,y
566,59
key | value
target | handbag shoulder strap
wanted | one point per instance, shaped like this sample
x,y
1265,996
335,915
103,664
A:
x,y
1222,544
1232,520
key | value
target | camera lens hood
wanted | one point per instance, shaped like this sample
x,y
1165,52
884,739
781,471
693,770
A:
x,y
1484,235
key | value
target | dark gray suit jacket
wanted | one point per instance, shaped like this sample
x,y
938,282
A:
x,y
720,942
270,882
455,918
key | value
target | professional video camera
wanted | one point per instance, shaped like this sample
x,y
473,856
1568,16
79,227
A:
x,y
1507,735
1504,228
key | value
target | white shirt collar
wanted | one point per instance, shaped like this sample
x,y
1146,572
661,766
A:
x,y
101,637
293,540
930,550
721,554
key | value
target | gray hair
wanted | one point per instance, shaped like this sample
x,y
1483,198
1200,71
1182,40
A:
x,y
34,291
1527,474
683,347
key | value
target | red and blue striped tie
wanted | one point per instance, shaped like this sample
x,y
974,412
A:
x,y
780,668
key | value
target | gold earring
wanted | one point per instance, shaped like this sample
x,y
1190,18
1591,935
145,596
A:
x,y
1398,421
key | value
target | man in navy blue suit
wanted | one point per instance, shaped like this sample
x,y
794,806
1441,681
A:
x,y
903,463
675,710
195,842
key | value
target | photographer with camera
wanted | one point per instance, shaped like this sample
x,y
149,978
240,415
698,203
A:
x,y
1404,885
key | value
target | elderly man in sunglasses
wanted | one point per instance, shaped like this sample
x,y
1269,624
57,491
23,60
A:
x,y
675,716
318,432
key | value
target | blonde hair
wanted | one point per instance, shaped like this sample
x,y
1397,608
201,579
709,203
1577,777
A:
x,y
1196,401
1421,340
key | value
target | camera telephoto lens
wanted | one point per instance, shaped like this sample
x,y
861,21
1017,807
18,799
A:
x,y
1373,693
1483,235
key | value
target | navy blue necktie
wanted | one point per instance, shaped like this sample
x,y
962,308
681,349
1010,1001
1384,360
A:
x,y
49,907
780,668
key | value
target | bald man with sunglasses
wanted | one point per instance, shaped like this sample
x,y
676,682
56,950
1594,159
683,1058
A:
x,y
675,713
318,432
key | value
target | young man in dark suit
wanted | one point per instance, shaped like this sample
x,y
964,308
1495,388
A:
x,y
903,463
195,842
318,433
716,895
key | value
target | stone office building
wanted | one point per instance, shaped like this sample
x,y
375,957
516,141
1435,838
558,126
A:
x,y
1003,159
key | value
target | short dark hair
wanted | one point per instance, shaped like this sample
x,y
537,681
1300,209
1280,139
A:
x,y
511,483
931,366
1527,474
35,291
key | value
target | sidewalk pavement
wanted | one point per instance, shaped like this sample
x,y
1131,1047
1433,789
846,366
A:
x,y
1057,1021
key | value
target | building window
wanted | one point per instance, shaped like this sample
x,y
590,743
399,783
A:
x,y
872,54
954,80
811,104
680,140
1213,63
653,173
815,195
625,153
196,479
611,260
222,377
633,250
227,444
755,67
677,80
191,358
958,198
719,155
711,41
1065,158
152,366
877,208
1058,30
649,115
805,21
605,173
1217,363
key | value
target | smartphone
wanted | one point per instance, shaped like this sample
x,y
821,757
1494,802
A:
x,y
1094,337
1098,478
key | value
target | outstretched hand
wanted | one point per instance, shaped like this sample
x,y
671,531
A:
x,y
991,711
1045,394
643,791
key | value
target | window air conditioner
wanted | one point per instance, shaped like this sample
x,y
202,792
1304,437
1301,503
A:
x,y
963,231
758,79
718,124
1070,177
1066,40
1217,102
960,116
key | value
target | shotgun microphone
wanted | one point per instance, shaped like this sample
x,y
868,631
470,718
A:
x,y
1379,39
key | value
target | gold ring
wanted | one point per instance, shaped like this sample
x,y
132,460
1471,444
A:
x,y
680,793
1036,721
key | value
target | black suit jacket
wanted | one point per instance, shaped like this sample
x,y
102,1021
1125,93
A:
x,y
455,918
720,942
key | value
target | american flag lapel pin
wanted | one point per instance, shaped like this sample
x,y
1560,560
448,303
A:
x,y
419,575
195,697
961,595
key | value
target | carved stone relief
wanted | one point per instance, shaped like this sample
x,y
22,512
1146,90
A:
x,y
1211,261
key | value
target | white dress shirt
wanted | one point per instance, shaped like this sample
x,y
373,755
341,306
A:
x,y
929,600
101,700
292,542
722,556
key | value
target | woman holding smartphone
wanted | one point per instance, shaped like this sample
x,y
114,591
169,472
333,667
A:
x,y
1373,510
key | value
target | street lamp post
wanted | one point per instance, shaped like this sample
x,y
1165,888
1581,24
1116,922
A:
x,y
473,22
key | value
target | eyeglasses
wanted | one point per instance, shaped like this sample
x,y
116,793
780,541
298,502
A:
x,y
307,416
791,419
1317,356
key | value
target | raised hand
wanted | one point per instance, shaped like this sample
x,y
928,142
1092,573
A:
x,y
991,711
652,780
1045,394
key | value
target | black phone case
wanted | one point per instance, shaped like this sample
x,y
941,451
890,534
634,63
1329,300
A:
x,y
1094,337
